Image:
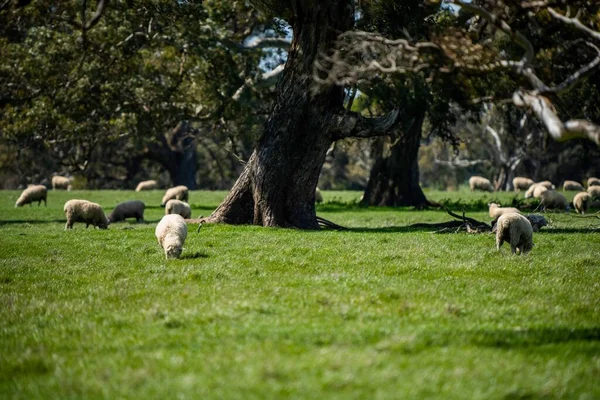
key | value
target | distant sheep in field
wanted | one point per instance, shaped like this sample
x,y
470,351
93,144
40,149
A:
x,y
551,199
171,233
480,183
496,211
146,185
177,192
84,211
535,191
31,194
594,191
593,182
178,207
581,202
318,196
547,184
127,209
516,230
61,182
521,183
572,185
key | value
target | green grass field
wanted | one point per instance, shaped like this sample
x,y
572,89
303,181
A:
x,y
378,311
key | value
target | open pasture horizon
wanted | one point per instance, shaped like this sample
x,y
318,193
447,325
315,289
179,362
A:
x,y
377,311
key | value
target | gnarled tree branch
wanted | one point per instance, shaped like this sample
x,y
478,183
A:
x,y
352,124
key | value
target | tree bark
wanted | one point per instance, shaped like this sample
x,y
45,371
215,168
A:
x,y
394,179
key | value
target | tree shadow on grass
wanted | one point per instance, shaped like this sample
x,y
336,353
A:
x,y
505,338
31,221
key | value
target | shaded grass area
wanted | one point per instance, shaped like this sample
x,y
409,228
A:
x,y
378,311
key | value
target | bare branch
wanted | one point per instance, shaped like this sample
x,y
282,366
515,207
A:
x,y
352,124
574,22
96,17
264,80
460,163
262,43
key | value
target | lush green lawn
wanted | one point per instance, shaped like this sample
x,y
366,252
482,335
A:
x,y
379,311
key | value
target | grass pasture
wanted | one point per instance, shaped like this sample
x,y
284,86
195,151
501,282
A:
x,y
379,311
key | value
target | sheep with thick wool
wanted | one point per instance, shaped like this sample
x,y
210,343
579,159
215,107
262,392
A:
x,y
535,191
496,210
593,181
61,182
547,184
551,199
31,194
174,206
127,209
84,211
480,183
171,233
521,183
594,191
146,185
177,192
581,202
516,230
572,185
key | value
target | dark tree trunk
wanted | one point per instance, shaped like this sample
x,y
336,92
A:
x,y
183,167
394,180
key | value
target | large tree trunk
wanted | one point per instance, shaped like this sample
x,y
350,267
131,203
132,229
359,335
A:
x,y
394,179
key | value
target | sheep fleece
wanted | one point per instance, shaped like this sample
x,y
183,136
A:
x,y
177,192
521,183
146,185
480,183
128,209
31,194
516,230
171,233
581,202
85,211
496,211
178,207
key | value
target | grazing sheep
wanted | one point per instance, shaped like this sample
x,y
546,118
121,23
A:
x,y
178,207
516,230
146,185
551,199
593,182
31,194
61,182
535,191
127,209
537,221
547,184
480,183
521,183
496,211
84,211
318,196
581,202
171,232
177,192
572,185
594,191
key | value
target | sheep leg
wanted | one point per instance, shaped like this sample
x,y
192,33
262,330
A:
x,y
513,249
498,243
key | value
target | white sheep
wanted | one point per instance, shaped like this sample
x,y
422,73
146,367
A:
x,y
480,183
594,191
146,185
60,182
496,211
547,184
535,191
516,230
581,202
177,192
318,196
127,209
171,233
551,199
84,211
31,194
593,181
572,185
521,183
174,206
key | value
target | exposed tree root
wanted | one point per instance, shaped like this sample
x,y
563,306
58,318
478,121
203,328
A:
x,y
329,224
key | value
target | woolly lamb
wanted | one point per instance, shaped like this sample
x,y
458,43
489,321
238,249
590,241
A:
x,y
547,184
178,207
318,196
60,182
31,194
535,191
593,182
171,232
84,211
572,185
146,185
177,192
521,183
516,230
480,183
594,191
496,211
581,202
551,199
127,209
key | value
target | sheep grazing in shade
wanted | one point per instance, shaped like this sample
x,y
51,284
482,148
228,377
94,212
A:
x,y
572,185
146,185
496,211
521,183
535,191
480,183
127,209
593,182
178,207
85,211
61,182
547,184
171,232
594,191
318,196
177,192
551,199
31,194
516,230
581,202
